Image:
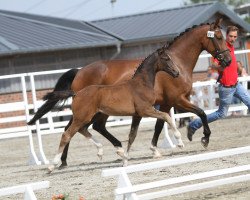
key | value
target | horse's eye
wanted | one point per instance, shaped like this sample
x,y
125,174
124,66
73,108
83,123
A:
x,y
219,37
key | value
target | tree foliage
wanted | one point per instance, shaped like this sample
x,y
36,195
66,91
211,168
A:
x,y
233,3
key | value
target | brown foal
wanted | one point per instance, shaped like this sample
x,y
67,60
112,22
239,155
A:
x,y
135,97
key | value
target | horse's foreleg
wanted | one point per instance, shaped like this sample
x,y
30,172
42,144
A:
x,y
132,135
99,122
189,107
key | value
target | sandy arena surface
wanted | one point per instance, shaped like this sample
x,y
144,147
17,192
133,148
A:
x,y
83,175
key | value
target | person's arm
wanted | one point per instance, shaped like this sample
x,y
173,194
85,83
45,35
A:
x,y
217,67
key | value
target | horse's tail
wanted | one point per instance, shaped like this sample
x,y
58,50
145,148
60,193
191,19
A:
x,y
61,92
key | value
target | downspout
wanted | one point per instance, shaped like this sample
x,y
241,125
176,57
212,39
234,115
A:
x,y
118,51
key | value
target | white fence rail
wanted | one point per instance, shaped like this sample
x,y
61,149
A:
x,y
52,126
27,189
126,190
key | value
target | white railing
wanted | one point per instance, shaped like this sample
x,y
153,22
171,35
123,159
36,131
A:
x,y
27,189
126,190
57,127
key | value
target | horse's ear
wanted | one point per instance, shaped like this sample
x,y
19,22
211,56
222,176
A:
x,y
217,23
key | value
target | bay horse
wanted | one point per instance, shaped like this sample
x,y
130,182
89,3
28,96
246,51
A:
x,y
170,92
134,97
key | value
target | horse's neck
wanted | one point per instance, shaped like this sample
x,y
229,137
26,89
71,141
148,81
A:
x,y
186,51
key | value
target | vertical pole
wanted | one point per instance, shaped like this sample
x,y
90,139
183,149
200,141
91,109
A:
x,y
29,194
211,97
33,157
123,181
167,142
39,137
244,83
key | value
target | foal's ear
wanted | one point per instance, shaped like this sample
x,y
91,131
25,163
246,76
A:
x,y
217,23
161,51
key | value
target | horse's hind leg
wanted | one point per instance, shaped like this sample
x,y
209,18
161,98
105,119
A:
x,y
99,123
132,135
158,128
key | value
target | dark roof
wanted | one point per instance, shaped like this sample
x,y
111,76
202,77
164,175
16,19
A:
x,y
22,32
29,33
165,23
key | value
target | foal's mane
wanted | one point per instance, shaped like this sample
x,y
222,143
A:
x,y
144,60
187,30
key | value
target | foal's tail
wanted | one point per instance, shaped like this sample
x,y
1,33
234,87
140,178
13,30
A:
x,y
60,93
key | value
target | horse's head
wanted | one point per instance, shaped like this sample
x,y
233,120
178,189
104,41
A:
x,y
165,62
216,45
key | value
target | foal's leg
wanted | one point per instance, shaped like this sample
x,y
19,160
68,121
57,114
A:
x,y
159,126
65,139
91,139
152,112
65,150
132,135
133,131
84,131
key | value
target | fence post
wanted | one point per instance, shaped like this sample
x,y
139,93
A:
x,y
123,181
29,194
39,137
33,156
167,142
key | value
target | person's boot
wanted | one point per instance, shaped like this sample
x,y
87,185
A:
x,y
190,133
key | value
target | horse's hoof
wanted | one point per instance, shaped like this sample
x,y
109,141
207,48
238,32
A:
x,y
204,142
181,146
157,155
100,156
190,133
62,166
120,151
125,163
51,168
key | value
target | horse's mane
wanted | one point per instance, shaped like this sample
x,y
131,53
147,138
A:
x,y
168,44
187,30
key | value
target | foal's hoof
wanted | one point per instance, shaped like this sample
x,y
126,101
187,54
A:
x,y
100,153
180,145
51,168
190,133
204,142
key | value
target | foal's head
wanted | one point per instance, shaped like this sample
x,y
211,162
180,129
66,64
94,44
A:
x,y
215,44
165,63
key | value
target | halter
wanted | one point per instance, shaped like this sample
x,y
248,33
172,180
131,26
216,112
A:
x,y
217,52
